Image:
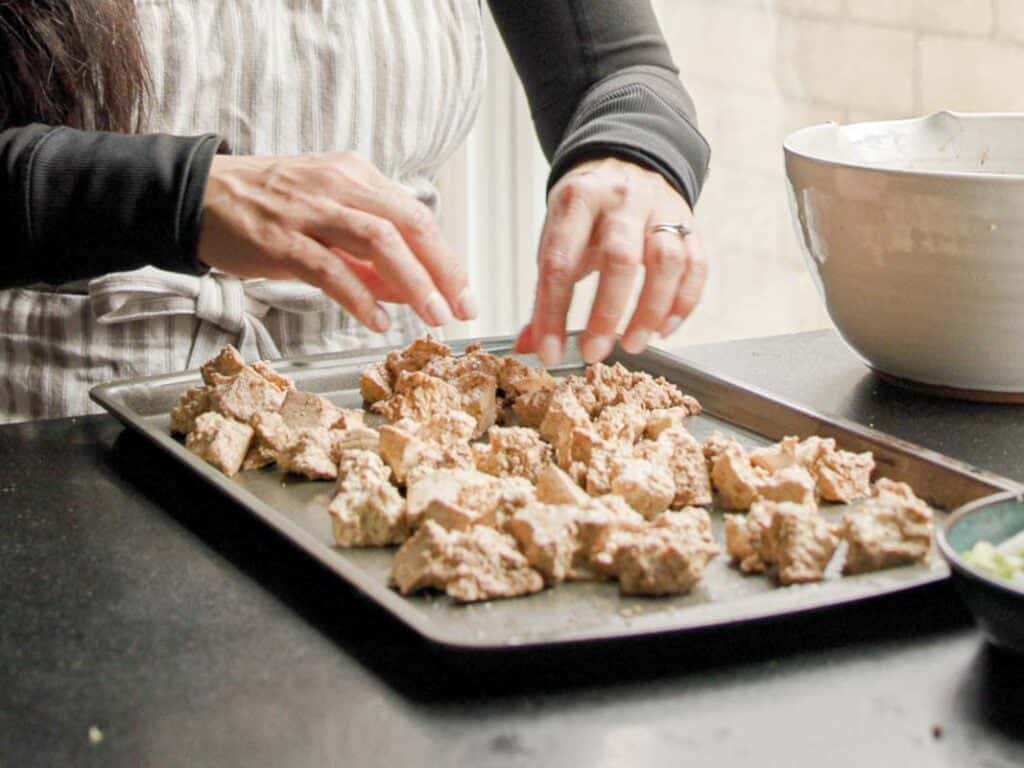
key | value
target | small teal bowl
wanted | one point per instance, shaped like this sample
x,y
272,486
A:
x,y
997,605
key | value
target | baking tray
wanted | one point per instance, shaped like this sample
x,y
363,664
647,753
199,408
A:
x,y
571,612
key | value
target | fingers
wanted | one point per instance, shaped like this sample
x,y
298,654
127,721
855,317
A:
x,y
309,261
361,186
665,262
378,241
690,289
566,234
619,245
370,277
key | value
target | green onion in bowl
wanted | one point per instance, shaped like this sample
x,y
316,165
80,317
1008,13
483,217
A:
x,y
1005,560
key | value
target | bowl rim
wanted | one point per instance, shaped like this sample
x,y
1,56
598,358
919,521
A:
x,y
997,178
956,561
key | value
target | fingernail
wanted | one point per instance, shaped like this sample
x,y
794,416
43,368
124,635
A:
x,y
380,321
550,350
636,342
468,305
671,325
596,348
437,310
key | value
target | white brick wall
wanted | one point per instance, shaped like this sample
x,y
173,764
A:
x,y
761,68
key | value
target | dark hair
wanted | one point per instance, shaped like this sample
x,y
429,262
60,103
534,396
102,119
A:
x,y
78,63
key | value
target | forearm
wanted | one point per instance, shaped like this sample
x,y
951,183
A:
x,y
600,81
78,204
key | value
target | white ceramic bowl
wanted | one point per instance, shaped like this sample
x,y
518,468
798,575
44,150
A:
x,y
914,233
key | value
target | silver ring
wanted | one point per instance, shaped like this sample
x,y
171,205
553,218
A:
x,y
683,230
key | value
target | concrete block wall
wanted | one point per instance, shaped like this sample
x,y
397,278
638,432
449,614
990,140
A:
x,y
759,69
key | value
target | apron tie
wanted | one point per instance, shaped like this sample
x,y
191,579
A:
x,y
231,310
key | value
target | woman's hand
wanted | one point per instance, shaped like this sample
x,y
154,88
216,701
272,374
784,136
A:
x,y
334,221
599,216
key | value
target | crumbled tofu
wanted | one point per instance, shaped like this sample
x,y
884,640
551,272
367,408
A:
x,y
547,535
892,528
616,384
811,450
479,399
415,356
680,452
772,458
359,470
844,476
220,441
478,564
623,423
226,364
647,487
801,543
662,419
666,556
192,404
734,478
245,395
746,537
375,383
792,483
450,428
512,451
309,453
419,397
554,486
564,414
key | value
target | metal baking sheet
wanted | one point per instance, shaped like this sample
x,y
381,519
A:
x,y
576,611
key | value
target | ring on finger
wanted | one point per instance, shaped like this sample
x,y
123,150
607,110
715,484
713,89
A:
x,y
681,229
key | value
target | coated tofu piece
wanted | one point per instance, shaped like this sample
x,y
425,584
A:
x,y
792,483
475,360
442,486
624,423
516,379
716,444
220,441
246,394
309,453
227,363
512,451
616,384
746,537
845,476
734,478
488,503
680,452
369,517
530,408
375,383
415,356
478,564
302,410
419,397
648,487
564,414
354,439
595,522
778,456
194,402
407,454
666,556
479,393
892,528
449,428
801,543
547,536
259,456
264,369
665,419
554,486
360,470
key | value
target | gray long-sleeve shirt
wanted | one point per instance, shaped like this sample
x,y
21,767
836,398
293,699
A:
x,y
598,76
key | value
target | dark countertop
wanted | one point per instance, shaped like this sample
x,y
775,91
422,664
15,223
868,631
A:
x,y
138,602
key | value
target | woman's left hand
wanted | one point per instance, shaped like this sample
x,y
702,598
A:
x,y
599,218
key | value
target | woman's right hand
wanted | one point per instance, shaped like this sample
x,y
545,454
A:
x,y
334,221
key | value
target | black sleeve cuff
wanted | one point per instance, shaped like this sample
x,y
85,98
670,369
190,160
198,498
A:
x,y
85,203
643,116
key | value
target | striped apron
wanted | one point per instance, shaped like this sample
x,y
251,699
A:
x,y
395,80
